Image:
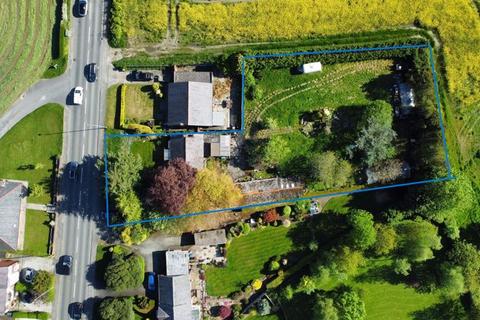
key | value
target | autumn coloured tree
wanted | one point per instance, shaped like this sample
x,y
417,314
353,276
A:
x,y
270,216
171,185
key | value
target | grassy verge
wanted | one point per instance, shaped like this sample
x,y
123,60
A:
x,y
29,149
30,315
246,257
110,114
60,43
36,233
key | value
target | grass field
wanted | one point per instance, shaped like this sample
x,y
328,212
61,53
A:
x,y
25,49
246,257
28,149
36,233
138,102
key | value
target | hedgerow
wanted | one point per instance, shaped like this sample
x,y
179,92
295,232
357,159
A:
x,y
123,94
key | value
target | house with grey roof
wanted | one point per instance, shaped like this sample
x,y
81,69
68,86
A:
x,y
174,298
9,276
190,104
189,148
13,203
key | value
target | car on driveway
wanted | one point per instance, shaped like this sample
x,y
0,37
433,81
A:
x,y
27,275
82,8
78,95
75,310
92,72
72,170
151,281
140,76
66,264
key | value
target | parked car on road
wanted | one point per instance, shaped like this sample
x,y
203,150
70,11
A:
x,y
92,72
78,95
72,169
82,8
75,310
140,76
66,264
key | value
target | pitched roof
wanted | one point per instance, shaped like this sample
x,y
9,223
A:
x,y
189,148
190,104
174,297
210,238
11,195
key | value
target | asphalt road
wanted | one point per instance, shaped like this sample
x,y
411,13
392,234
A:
x,y
80,205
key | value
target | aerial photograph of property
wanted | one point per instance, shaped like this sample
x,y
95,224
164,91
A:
x,y
240,159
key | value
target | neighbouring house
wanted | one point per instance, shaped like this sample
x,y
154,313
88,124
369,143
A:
x,y
13,204
190,104
194,76
174,288
9,276
209,247
196,147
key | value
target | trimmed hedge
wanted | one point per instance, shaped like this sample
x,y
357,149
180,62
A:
x,y
123,94
30,315
139,128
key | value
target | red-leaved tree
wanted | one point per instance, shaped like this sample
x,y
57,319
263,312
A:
x,y
270,216
170,186
225,312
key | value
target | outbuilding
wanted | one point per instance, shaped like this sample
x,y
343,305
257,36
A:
x,y
311,67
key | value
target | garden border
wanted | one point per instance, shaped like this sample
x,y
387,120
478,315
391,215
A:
x,y
242,127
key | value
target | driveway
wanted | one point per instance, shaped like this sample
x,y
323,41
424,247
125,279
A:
x,y
150,248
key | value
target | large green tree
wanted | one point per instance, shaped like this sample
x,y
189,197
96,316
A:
x,y
116,309
349,305
324,309
467,257
330,171
124,271
363,233
417,239
123,170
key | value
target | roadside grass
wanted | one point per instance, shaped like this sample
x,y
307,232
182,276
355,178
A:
x,y
139,103
29,149
246,258
60,42
26,44
111,111
36,233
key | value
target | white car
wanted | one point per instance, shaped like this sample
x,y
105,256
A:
x,y
78,95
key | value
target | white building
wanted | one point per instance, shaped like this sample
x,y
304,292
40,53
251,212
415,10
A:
x,y
9,276
311,67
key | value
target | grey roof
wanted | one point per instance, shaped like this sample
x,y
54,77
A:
x,y
201,76
210,238
174,297
189,148
220,146
4,264
190,104
176,262
11,195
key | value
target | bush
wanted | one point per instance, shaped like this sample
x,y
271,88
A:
x,y
270,216
139,128
116,309
42,283
273,266
287,210
124,271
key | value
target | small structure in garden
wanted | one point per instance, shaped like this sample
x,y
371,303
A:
x,y
387,171
218,145
9,276
270,189
13,204
210,238
311,67
195,76
176,262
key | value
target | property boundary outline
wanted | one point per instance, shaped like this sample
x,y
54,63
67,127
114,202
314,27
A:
x,y
242,128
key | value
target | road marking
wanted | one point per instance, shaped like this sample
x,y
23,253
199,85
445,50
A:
x,y
79,202
74,289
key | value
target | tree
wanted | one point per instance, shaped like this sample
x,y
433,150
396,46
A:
x,y
42,282
375,134
270,216
467,257
35,190
330,171
124,170
402,266
387,170
452,281
225,312
213,189
129,206
264,308
273,266
345,260
171,185
287,210
324,309
417,239
276,151
386,240
363,234
349,305
124,271
116,309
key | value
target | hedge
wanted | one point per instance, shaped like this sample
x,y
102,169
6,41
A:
x,y
30,315
139,128
123,93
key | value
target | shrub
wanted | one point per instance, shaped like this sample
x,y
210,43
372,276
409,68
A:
x,y
273,266
116,309
287,210
35,190
139,128
225,312
330,171
123,94
257,284
124,271
270,216
42,282
264,308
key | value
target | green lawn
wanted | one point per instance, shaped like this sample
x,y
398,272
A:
x,y
138,102
146,150
36,233
28,150
246,257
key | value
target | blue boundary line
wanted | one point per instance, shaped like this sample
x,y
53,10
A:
x,y
242,127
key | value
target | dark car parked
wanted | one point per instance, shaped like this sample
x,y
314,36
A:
x,y
75,310
66,264
92,72
82,8
140,76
